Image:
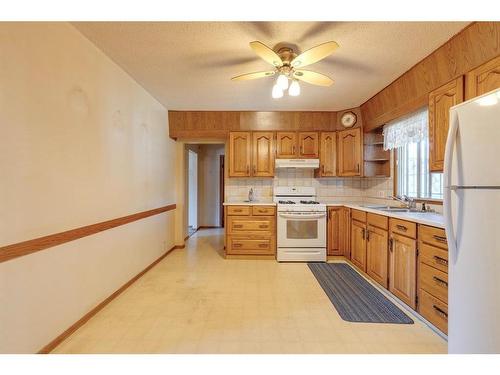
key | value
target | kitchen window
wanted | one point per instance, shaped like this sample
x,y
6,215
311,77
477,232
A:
x,y
409,137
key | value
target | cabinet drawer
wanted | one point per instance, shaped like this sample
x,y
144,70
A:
x,y
358,215
434,282
263,210
433,236
434,256
254,246
250,224
433,310
238,210
379,221
406,228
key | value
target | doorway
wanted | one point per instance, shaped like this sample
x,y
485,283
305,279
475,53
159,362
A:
x,y
192,192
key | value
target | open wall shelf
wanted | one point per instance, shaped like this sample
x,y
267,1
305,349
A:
x,y
377,161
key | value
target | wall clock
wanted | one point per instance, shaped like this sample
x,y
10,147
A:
x,y
348,119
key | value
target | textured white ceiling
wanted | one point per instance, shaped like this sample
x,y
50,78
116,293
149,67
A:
x,y
188,65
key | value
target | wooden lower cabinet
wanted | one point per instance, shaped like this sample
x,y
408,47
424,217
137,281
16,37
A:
x,y
358,244
377,254
433,276
403,268
345,232
250,230
333,240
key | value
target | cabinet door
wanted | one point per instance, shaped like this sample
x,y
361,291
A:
x,y
440,102
262,154
358,244
334,215
403,268
308,145
286,145
328,154
483,79
345,232
349,152
239,154
377,254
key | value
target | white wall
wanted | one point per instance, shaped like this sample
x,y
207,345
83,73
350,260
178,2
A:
x,y
209,184
81,142
193,189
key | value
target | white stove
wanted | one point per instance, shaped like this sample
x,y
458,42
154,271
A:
x,y
301,225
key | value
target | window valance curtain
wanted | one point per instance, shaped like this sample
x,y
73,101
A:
x,y
409,129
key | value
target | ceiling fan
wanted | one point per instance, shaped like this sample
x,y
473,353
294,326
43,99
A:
x,y
288,65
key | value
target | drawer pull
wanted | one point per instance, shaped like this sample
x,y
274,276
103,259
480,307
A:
x,y
439,238
440,260
439,281
264,226
263,211
238,226
391,244
440,312
238,210
237,245
401,227
263,245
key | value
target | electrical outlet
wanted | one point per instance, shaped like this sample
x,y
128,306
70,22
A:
x,y
380,193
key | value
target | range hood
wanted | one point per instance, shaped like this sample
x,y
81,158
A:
x,y
297,163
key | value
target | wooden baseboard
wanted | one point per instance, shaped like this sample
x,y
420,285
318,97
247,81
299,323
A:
x,y
59,339
252,257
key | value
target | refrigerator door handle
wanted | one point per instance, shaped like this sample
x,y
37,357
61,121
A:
x,y
448,159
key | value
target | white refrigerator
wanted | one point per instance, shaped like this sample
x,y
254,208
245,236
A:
x,y
472,219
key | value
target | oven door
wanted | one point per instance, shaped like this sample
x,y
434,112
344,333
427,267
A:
x,y
302,229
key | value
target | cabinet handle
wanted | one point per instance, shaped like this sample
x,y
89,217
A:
x,y
440,312
401,227
248,170
238,210
293,149
440,260
263,226
254,170
237,226
439,281
322,169
357,167
237,245
439,238
263,245
301,150
363,233
368,235
263,211
391,244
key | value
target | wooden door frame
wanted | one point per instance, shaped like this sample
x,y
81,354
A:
x,y
221,190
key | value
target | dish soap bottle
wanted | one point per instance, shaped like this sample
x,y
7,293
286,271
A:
x,y
250,195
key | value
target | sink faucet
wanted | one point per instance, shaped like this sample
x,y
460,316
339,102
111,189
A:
x,y
250,195
406,200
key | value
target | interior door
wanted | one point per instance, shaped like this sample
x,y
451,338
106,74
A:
x,y
308,145
262,154
377,255
349,152
358,244
403,268
328,154
286,145
239,154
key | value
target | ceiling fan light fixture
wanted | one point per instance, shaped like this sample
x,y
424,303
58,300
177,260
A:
x,y
282,81
294,89
277,92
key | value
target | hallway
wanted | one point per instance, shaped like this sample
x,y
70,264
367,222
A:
x,y
195,301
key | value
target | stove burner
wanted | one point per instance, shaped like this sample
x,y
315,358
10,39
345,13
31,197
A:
x,y
286,202
309,202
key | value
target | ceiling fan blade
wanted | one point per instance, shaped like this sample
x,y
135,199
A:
x,y
314,54
244,77
313,77
266,53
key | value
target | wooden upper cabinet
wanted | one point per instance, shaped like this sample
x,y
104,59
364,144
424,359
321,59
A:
x,y
262,154
239,154
286,145
358,244
483,79
403,268
328,154
440,102
377,251
308,145
349,152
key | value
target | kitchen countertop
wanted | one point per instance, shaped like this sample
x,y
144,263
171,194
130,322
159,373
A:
x,y
429,218
253,203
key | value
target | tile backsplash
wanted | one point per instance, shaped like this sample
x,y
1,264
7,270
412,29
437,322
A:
x,y
328,189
